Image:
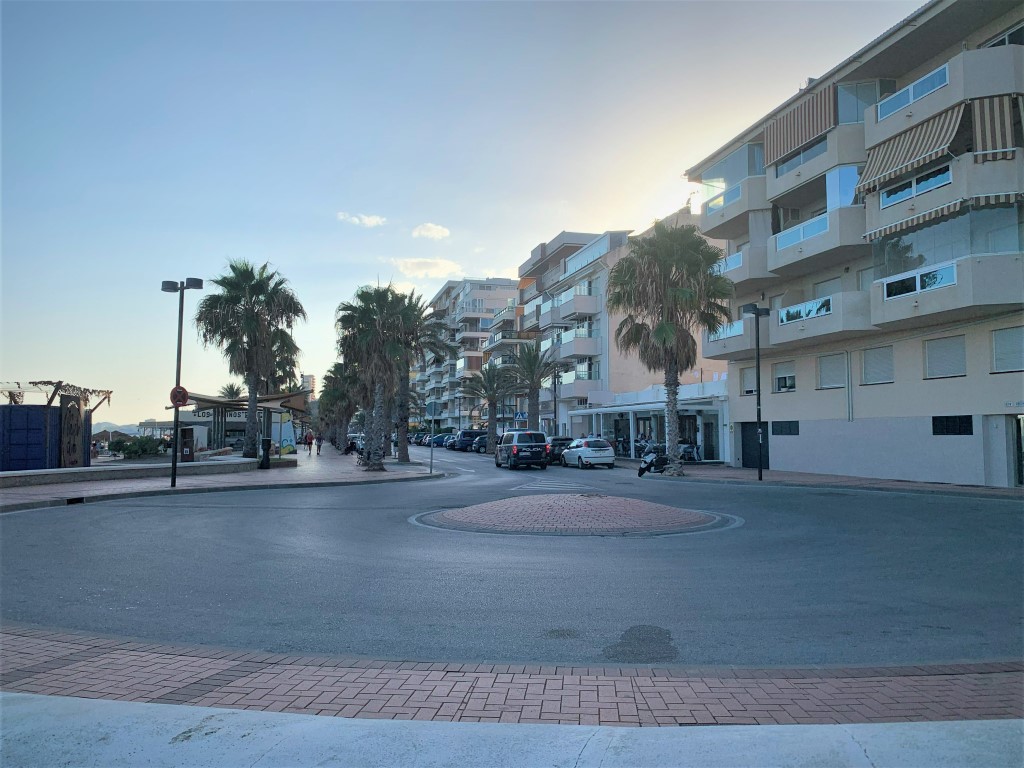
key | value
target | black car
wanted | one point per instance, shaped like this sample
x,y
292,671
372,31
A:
x,y
557,445
465,437
522,449
480,444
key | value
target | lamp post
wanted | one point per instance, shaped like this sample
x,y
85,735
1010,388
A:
x,y
758,313
173,286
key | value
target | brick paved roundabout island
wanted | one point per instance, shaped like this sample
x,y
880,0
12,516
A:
x,y
585,598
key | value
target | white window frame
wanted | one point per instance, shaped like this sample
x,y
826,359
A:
x,y
1011,331
909,92
914,184
1002,36
963,349
919,285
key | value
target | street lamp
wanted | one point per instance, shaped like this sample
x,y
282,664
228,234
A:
x,y
173,286
758,313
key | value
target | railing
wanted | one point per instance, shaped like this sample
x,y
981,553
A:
x,y
502,336
734,328
587,254
545,344
927,279
806,311
916,90
790,237
550,304
729,263
584,289
577,333
730,196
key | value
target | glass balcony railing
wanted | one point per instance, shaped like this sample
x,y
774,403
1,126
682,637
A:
x,y
730,196
927,279
806,311
734,328
918,89
546,344
577,333
583,289
790,237
581,374
729,263
588,254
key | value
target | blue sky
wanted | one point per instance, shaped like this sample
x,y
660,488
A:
x,y
347,143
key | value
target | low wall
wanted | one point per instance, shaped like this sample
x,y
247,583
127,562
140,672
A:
x,y
125,472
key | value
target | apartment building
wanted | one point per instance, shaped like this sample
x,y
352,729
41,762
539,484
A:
x,y
599,390
878,215
468,306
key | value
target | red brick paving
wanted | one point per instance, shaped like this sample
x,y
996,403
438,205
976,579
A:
x,y
77,664
572,514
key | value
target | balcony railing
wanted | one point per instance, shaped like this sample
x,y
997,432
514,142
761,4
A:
x,y
594,374
731,195
545,344
729,263
577,333
790,237
588,254
734,328
927,279
916,90
807,310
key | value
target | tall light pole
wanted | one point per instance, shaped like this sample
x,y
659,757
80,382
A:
x,y
173,286
758,313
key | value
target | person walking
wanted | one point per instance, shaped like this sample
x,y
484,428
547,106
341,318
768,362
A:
x,y
309,441
319,442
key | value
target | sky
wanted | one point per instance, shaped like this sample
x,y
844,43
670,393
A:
x,y
347,144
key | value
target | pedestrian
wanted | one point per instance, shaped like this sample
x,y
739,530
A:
x,y
309,442
319,442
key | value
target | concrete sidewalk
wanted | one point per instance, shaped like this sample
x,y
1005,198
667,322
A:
x,y
50,730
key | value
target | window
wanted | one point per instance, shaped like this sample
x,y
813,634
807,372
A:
x,y
938,177
785,427
952,425
945,357
865,277
831,371
854,99
1008,349
1014,36
916,90
748,381
784,377
746,161
876,366
841,187
828,287
795,161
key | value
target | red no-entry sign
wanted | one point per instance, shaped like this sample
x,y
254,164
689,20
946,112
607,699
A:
x,y
179,397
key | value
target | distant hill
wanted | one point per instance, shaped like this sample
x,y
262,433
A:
x,y
103,426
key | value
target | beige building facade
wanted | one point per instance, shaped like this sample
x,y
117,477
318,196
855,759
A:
x,y
877,216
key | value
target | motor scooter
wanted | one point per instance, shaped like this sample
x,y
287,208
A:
x,y
652,462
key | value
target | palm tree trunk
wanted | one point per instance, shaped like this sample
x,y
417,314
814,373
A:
x,y
403,413
672,417
249,447
492,426
375,437
533,409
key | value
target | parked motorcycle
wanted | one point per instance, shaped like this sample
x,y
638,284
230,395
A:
x,y
652,462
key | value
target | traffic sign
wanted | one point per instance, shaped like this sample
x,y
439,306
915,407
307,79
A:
x,y
520,416
179,397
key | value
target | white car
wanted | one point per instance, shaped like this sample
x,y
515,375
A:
x,y
589,452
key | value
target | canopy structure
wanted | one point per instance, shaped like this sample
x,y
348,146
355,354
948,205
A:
x,y
220,407
16,391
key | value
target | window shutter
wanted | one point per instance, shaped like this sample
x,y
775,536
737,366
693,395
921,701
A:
x,y
877,365
748,381
831,371
1008,349
945,357
785,376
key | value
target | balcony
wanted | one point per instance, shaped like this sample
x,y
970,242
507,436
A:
x,y
579,342
844,145
576,384
968,288
550,312
508,338
747,268
579,305
827,240
724,217
837,316
735,341
968,75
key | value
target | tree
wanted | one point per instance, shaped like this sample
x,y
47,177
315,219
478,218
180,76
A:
x,y
369,335
230,391
283,375
492,384
420,334
338,402
253,303
669,291
529,369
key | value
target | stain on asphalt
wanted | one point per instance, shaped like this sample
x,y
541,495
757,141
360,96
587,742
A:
x,y
643,644
561,634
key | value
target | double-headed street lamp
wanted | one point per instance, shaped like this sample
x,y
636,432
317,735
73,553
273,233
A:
x,y
758,313
173,286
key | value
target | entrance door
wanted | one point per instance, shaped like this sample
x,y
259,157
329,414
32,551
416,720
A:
x,y
688,428
748,444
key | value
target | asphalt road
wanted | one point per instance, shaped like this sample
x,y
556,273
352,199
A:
x,y
812,576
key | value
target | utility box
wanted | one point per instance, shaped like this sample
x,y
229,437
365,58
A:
x,y
188,447
267,448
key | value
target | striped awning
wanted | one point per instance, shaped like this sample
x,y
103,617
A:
x,y
812,117
993,128
999,198
913,221
911,149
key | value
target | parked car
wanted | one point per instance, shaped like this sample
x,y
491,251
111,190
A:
x,y
438,440
558,444
589,452
480,444
465,437
449,442
414,438
522,449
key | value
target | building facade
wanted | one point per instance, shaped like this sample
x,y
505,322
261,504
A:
x,y
877,215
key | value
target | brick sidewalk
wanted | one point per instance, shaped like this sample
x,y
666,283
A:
x,y
77,664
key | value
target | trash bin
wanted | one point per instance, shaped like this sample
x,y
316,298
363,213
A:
x,y
265,458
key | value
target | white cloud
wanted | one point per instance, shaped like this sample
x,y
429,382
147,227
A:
x,y
361,219
435,268
479,249
432,231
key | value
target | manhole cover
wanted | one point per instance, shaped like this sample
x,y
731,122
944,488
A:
x,y
586,514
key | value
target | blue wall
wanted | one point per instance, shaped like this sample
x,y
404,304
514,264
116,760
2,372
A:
x,y
23,443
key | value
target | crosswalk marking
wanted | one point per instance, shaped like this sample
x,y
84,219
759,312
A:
x,y
553,485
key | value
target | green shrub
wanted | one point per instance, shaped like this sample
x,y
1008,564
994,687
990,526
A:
x,y
142,446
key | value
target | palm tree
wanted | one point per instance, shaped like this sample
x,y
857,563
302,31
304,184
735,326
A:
x,y
338,401
253,302
230,391
283,373
420,334
529,370
369,335
669,291
492,384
